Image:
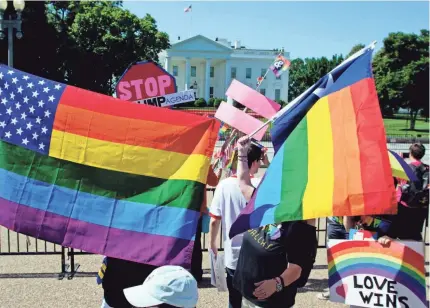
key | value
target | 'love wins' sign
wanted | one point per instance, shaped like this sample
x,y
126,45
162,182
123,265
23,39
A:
x,y
364,273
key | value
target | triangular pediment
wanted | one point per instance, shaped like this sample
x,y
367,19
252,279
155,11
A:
x,y
201,43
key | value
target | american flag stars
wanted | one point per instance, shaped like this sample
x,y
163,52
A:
x,y
27,109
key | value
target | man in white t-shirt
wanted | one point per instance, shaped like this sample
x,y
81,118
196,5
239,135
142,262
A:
x,y
226,206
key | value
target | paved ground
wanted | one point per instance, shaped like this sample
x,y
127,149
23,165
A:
x,y
31,281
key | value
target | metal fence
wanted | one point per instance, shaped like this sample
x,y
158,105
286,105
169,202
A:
x,y
15,244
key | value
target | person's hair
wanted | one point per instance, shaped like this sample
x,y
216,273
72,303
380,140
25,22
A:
x,y
417,150
254,154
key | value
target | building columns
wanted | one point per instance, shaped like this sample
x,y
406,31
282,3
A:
x,y
227,74
167,64
187,73
227,79
207,79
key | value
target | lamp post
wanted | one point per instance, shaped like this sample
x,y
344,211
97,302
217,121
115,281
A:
x,y
11,24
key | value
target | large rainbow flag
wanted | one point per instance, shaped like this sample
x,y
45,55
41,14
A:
x,y
89,171
331,153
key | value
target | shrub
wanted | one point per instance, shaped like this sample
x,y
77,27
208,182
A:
x,y
200,103
211,102
280,102
218,102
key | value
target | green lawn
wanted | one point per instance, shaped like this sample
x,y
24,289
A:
x,y
397,127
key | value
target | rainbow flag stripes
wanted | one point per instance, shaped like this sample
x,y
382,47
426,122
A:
x,y
398,263
331,154
280,65
88,171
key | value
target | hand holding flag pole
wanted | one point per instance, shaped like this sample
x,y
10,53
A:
x,y
299,98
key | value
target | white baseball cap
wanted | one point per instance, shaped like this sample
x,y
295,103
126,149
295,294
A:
x,y
168,284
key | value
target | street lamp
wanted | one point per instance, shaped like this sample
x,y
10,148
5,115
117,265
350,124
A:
x,y
11,24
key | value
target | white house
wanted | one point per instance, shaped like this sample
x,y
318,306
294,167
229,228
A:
x,y
208,66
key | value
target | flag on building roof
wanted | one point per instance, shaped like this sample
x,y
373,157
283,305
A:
x,y
92,172
188,9
280,65
331,154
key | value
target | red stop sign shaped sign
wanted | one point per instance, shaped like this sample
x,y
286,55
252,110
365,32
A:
x,y
145,80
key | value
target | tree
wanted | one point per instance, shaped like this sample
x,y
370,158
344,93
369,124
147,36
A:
x,y
401,70
37,51
99,39
304,73
355,48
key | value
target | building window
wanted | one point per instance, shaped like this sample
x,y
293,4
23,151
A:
x,y
263,72
193,71
211,92
212,72
279,77
175,70
248,73
233,72
263,91
277,94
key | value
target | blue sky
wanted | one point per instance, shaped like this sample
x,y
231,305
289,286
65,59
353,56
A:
x,y
305,29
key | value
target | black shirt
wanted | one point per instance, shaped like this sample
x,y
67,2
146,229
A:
x,y
122,274
264,256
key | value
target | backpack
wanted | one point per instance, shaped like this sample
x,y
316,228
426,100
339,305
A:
x,y
416,194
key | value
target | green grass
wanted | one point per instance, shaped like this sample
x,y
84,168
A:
x,y
401,127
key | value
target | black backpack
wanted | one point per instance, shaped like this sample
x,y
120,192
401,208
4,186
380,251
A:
x,y
416,194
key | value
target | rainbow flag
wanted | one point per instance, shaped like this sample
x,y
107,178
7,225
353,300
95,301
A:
x,y
331,154
349,262
223,130
92,172
400,168
280,65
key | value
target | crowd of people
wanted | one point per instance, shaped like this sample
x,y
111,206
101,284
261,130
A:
x,y
264,266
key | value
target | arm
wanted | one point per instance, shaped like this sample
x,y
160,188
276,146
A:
x,y
215,225
267,288
348,223
216,214
301,245
242,168
266,161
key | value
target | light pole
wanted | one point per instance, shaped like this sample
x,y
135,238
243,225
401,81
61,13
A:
x,y
11,24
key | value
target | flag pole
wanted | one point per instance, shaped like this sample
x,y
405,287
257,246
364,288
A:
x,y
191,23
297,99
267,71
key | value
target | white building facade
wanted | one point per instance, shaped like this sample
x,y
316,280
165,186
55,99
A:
x,y
209,66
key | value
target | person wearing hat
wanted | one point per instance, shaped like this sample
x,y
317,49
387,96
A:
x,y
167,286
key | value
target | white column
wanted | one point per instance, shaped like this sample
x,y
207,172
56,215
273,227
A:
x,y
227,74
167,64
207,78
227,79
187,73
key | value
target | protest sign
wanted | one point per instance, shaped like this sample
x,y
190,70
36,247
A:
x,y
253,100
367,274
145,80
170,99
239,120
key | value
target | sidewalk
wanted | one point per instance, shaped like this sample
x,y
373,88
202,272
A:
x,y
31,281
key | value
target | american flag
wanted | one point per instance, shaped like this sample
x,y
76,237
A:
x,y
188,9
27,108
